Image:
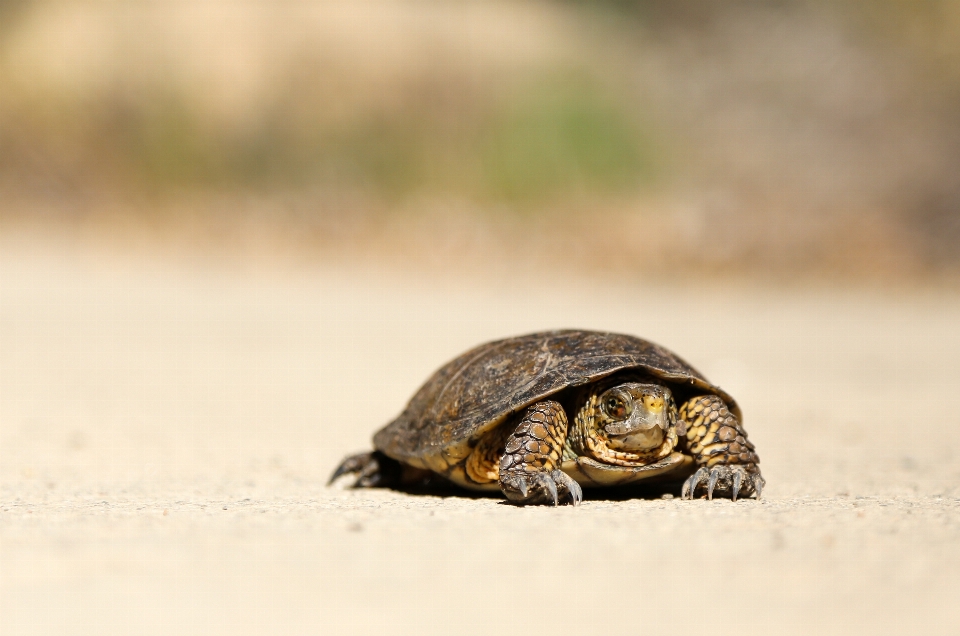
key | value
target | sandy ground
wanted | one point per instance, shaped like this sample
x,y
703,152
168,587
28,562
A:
x,y
167,426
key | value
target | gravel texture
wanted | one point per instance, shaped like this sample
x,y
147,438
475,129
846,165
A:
x,y
167,426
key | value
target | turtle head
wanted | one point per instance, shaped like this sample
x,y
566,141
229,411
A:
x,y
636,416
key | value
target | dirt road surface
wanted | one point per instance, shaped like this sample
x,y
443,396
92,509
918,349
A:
x,y
167,427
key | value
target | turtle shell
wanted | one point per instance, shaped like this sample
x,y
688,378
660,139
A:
x,y
475,392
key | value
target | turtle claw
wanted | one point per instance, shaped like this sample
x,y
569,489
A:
x,y
540,488
548,485
522,487
712,482
724,478
362,464
758,483
372,469
568,485
690,486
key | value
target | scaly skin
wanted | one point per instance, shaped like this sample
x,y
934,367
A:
x,y
529,472
728,460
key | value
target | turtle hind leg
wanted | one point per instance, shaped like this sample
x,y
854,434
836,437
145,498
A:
x,y
529,472
372,469
716,439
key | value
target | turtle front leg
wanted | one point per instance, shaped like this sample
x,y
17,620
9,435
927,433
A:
x,y
529,472
728,460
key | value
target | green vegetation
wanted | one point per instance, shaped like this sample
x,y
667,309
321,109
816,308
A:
x,y
540,143
562,137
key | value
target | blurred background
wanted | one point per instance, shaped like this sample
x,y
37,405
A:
x,y
783,140
236,236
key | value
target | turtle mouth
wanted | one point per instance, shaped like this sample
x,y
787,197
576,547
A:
x,y
643,430
639,441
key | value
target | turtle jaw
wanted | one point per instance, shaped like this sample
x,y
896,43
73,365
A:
x,y
646,435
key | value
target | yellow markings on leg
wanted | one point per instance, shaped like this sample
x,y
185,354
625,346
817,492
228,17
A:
x,y
540,449
714,435
483,464
536,444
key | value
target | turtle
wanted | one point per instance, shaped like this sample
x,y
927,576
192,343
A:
x,y
544,415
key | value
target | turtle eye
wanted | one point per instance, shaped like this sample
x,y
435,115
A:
x,y
614,407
